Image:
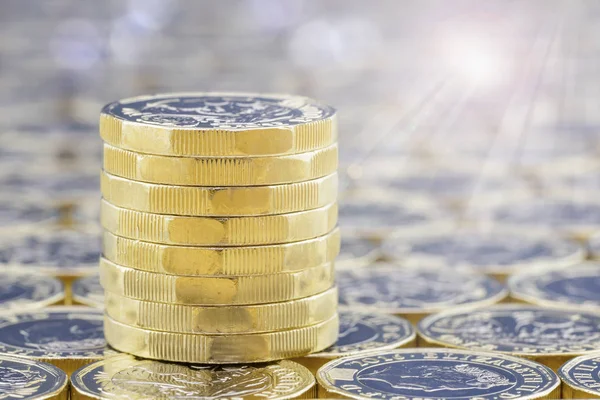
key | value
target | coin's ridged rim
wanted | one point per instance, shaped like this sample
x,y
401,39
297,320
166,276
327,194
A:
x,y
196,348
258,318
62,391
533,295
239,171
170,141
82,299
240,290
569,384
306,381
234,231
203,261
219,201
552,392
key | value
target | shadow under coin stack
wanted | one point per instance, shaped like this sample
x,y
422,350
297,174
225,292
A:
x,y
220,215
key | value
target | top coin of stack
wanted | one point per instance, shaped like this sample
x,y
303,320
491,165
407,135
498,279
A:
x,y
220,213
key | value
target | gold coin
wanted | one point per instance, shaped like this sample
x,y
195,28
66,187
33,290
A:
x,y
32,380
213,290
219,201
224,231
222,319
192,261
217,349
211,171
127,377
218,124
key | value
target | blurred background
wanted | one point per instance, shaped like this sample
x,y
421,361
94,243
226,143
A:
x,y
456,104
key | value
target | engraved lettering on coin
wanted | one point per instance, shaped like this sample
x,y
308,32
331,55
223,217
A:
x,y
214,111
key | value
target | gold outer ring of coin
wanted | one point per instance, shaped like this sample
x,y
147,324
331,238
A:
x,y
221,142
222,319
219,201
288,380
247,260
215,290
61,392
213,231
211,171
216,349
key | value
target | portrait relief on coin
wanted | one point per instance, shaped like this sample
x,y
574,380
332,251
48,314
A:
x,y
226,111
436,374
53,334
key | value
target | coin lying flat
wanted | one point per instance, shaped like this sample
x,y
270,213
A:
x,y
25,379
67,337
357,250
223,231
24,211
247,260
576,287
218,124
88,291
213,290
437,374
222,319
132,378
219,201
362,333
22,292
378,217
221,349
568,216
57,252
581,377
492,253
414,293
550,336
211,171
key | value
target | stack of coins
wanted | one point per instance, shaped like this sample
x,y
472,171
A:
x,y
220,215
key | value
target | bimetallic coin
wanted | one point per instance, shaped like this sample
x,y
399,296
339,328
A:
x,y
357,251
219,201
247,260
88,291
132,378
581,377
576,287
214,290
20,211
58,252
23,379
222,319
567,216
224,348
549,336
434,374
380,216
67,337
218,231
211,171
492,253
362,333
22,292
413,293
218,124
